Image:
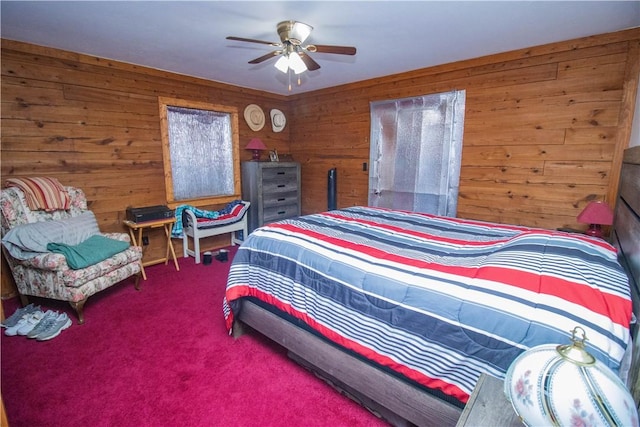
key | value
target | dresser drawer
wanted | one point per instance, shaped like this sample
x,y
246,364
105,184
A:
x,y
280,174
276,187
276,213
280,199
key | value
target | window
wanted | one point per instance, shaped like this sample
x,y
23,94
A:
x,y
200,151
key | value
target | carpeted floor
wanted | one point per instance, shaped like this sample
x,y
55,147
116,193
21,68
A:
x,y
162,357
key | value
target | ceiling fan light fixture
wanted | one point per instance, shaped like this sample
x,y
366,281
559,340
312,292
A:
x,y
296,63
282,63
300,32
293,32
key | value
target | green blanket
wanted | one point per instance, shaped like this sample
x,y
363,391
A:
x,y
93,250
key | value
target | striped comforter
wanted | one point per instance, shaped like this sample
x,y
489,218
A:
x,y
438,300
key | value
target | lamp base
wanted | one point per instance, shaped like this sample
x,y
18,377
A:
x,y
256,156
595,230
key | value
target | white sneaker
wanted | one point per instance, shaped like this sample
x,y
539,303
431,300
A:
x,y
32,320
13,330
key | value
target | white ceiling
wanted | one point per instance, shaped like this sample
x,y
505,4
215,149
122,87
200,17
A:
x,y
188,37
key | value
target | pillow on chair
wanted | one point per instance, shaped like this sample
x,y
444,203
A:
x,y
29,240
42,193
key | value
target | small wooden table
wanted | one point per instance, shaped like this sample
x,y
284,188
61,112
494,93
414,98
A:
x,y
137,240
488,406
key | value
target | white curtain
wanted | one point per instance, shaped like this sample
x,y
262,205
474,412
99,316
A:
x,y
201,149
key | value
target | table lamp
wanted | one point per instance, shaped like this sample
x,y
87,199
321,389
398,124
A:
x,y
596,214
256,145
564,385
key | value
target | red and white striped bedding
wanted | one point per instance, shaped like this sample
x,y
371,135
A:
x,y
437,300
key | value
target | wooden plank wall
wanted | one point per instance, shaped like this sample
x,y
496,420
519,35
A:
x,y
544,132
94,123
544,129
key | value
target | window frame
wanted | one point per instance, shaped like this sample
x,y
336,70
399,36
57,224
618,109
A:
x,y
163,103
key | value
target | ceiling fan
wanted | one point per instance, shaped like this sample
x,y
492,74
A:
x,y
293,54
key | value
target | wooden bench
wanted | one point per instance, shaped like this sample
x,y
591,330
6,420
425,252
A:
x,y
198,228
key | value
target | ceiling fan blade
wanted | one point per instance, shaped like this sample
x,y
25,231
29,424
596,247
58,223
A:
x,y
265,57
242,39
308,61
341,50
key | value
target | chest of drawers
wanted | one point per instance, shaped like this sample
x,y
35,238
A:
x,y
273,188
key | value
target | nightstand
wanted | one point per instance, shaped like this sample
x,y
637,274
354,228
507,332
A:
x,y
488,406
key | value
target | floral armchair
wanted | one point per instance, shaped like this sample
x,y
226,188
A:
x,y
47,274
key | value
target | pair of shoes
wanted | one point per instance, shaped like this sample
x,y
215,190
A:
x,y
48,317
17,315
25,324
52,326
40,325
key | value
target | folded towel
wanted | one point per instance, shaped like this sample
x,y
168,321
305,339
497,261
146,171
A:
x,y
93,250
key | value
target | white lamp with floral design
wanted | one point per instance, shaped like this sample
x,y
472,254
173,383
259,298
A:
x,y
564,385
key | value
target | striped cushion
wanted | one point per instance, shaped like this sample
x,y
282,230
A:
x,y
42,193
231,213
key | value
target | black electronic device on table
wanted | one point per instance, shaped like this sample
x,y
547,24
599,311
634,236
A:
x,y
149,213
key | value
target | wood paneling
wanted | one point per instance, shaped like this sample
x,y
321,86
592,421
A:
x,y
94,123
544,129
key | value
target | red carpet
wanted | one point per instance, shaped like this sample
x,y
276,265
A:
x,y
162,357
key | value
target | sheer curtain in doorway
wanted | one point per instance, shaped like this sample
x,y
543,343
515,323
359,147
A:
x,y
416,147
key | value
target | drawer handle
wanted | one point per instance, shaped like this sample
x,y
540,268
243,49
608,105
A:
x,y
281,199
280,173
281,185
282,212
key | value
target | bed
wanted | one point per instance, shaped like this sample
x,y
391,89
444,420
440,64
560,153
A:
x,y
403,311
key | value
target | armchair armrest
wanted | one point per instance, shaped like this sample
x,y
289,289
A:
x,y
47,261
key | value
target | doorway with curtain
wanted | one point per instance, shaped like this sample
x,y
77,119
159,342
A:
x,y
416,150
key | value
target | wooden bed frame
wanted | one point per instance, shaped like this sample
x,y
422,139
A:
x,y
399,402
626,238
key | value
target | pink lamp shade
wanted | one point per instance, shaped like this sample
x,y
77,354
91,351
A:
x,y
596,214
256,145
